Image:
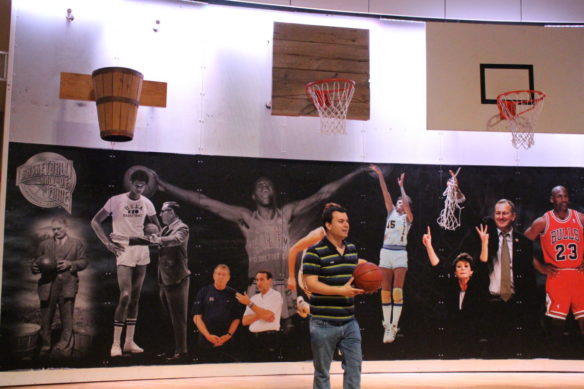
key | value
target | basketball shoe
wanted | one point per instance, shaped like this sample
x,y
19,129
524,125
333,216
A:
x,y
390,333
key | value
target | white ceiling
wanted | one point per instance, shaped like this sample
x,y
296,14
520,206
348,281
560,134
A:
x,y
516,11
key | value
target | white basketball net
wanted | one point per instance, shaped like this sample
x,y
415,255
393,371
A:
x,y
521,109
449,218
332,97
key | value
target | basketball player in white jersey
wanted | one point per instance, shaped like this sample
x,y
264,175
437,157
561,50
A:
x,y
128,212
393,258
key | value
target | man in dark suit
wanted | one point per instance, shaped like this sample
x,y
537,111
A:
x,y
511,311
59,285
173,275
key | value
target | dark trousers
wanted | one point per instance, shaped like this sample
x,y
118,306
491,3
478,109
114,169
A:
x,y
266,346
508,329
174,299
48,308
206,353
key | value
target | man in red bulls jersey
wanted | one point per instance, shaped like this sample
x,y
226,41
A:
x,y
561,236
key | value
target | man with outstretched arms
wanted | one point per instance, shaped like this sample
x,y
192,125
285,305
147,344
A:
x,y
265,228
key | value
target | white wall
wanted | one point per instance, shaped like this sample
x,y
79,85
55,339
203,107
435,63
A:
x,y
217,63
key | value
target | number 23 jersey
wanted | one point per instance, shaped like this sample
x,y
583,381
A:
x,y
561,240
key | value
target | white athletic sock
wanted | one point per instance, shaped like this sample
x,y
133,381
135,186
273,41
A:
x,y
397,309
386,310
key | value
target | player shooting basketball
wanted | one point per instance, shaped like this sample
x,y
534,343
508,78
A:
x,y
265,228
393,258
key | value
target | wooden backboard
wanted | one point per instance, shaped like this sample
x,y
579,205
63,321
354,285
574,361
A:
x,y
305,53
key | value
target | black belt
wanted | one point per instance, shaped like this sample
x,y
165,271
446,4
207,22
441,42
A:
x,y
272,332
498,299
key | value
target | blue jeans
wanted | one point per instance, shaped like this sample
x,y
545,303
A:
x,y
325,337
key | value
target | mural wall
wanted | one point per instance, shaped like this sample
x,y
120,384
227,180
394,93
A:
x,y
54,191
208,148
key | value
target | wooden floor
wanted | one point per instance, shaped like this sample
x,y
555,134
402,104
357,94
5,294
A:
x,y
471,374
369,381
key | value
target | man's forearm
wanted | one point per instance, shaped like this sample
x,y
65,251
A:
x,y
316,286
233,326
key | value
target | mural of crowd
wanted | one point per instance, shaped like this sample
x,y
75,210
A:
x,y
126,258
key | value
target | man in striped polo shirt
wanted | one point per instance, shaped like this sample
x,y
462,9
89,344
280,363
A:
x,y
328,268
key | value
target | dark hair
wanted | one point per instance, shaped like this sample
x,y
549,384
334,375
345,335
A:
x,y
408,198
274,194
267,273
466,257
331,204
327,214
139,175
172,205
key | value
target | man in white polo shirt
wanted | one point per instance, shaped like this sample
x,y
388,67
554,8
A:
x,y
262,315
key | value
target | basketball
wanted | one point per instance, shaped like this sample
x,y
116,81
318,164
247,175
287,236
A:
x,y
47,264
151,229
368,277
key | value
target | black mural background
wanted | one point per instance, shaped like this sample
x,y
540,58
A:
x,y
214,240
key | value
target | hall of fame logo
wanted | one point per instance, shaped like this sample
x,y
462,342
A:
x,y
47,180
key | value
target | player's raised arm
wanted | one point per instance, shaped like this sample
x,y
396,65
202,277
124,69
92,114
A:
x,y
298,207
228,212
405,198
386,195
427,241
484,235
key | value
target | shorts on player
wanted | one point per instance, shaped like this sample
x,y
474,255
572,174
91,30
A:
x,y
565,291
288,296
392,259
134,256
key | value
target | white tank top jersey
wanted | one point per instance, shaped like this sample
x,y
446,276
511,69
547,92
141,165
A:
x,y
396,229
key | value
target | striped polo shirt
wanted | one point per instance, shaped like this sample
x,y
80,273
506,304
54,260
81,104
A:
x,y
324,261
